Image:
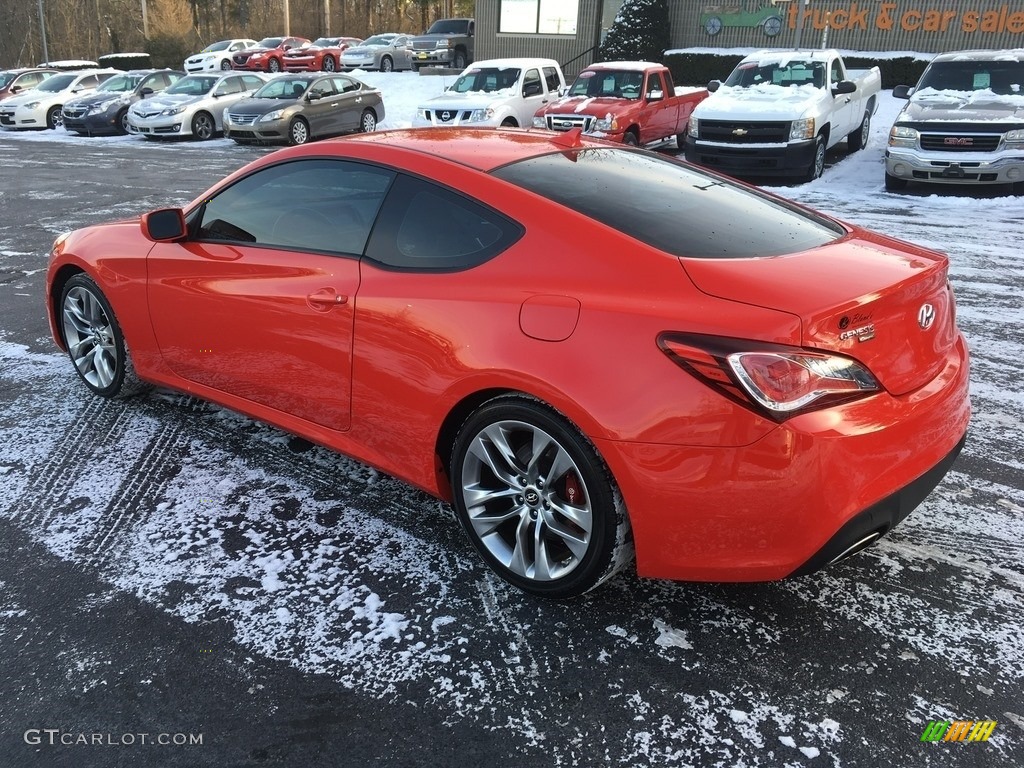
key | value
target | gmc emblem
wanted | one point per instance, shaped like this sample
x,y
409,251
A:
x,y
958,141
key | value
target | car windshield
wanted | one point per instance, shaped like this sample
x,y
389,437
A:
x,y
270,42
223,45
121,83
1005,78
616,84
778,73
193,85
676,208
6,78
56,83
487,79
282,88
379,40
449,27
326,42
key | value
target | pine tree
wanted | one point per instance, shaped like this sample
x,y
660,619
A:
x,y
640,32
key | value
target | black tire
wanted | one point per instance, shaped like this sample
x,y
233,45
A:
x,y
859,138
509,122
894,183
203,126
328,64
551,532
226,65
459,62
273,65
368,121
681,141
54,118
94,340
415,67
817,166
121,122
387,64
298,131
630,138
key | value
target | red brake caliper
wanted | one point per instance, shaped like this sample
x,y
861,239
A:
x,y
573,490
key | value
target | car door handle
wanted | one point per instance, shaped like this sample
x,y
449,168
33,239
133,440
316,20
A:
x,y
326,298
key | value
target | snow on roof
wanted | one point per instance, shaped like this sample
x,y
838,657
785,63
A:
x,y
512,63
123,55
880,55
1014,54
641,66
69,64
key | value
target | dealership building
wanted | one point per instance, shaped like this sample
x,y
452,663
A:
x,y
570,30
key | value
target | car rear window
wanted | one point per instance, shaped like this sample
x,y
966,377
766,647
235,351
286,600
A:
x,y
674,207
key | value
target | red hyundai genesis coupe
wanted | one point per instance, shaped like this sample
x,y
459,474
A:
x,y
585,348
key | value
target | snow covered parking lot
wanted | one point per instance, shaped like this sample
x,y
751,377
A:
x,y
170,565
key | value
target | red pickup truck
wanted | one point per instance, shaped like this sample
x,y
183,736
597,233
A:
x,y
633,102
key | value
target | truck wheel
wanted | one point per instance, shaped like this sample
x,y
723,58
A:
x,y
859,138
894,183
713,26
817,166
460,60
416,68
681,141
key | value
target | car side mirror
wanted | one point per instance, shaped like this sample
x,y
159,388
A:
x,y
656,96
844,86
902,92
165,225
314,96
15,88
714,85
146,92
531,89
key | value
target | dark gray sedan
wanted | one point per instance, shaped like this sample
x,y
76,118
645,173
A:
x,y
301,107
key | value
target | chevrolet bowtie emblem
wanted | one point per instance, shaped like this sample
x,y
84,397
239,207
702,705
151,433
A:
x,y
740,132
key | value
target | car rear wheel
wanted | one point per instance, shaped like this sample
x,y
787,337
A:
x,y
894,183
329,64
225,64
94,340
368,121
298,131
537,500
386,64
54,119
273,65
859,138
203,126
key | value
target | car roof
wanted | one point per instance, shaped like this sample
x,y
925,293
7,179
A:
x,y
510,63
24,70
1014,54
641,66
482,148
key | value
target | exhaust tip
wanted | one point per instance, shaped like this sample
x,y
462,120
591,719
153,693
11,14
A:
x,y
858,546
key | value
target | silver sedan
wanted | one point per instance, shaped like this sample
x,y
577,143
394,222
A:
x,y
194,106
387,52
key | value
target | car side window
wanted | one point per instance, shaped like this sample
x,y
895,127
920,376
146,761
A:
x,y
837,71
654,84
345,84
303,205
551,78
426,226
228,86
324,88
251,82
531,83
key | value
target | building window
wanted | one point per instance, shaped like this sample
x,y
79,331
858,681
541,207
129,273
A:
x,y
539,17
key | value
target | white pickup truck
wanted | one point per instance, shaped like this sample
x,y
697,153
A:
x,y
779,111
499,92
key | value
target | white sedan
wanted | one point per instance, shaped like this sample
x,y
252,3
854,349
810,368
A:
x,y
216,56
41,107
194,106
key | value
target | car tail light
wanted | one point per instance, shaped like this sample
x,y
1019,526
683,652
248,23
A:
x,y
774,379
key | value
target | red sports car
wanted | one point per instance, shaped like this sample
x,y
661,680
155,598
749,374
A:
x,y
584,347
323,54
268,55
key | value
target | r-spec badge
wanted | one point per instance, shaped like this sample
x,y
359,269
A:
x,y
959,141
926,316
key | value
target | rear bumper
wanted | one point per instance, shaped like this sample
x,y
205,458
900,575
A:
x,y
736,159
792,501
955,168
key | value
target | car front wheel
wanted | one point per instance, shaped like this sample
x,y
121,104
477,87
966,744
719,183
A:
x,y
537,500
94,340
54,118
328,64
298,131
273,65
203,126
386,64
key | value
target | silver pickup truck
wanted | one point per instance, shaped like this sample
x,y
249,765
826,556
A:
x,y
963,124
779,111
